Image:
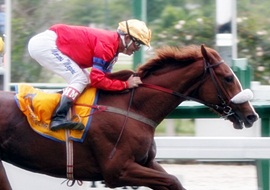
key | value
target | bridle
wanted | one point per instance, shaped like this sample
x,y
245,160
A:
x,y
224,109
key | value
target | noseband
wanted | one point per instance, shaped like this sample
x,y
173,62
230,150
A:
x,y
224,109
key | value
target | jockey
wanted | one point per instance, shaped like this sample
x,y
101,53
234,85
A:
x,y
69,50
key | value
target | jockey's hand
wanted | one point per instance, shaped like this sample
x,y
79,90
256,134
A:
x,y
134,81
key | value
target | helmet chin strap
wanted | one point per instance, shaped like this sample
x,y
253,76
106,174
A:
x,y
124,42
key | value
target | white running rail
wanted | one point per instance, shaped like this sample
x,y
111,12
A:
x,y
244,148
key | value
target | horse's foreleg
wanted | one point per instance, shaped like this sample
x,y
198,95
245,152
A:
x,y
154,177
4,183
156,166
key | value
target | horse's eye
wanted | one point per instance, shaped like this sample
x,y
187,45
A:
x,y
229,79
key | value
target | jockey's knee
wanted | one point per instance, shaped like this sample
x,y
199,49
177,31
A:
x,y
80,83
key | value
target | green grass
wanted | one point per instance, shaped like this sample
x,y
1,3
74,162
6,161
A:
x,y
182,127
118,67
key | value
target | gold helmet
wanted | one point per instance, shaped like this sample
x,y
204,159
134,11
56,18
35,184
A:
x,y
136,29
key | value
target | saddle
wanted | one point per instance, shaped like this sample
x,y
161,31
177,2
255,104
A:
x,y
38,106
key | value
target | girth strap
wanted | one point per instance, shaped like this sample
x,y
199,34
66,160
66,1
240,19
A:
x,y
125,113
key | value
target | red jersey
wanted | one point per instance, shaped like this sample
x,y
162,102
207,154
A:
x,y
90,47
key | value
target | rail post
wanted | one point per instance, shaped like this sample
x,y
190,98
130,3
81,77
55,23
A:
x,y
263,166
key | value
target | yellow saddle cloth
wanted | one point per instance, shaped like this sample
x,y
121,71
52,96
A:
x,y
38,106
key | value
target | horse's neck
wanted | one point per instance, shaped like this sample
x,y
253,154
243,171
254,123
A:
x,y
154,104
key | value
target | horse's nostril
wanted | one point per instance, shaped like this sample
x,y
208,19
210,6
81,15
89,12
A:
x,y
252,118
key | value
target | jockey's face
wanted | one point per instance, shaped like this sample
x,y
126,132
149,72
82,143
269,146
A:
x,y
131,45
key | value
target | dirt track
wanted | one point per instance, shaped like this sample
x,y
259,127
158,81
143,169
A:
x,y
206,176
216,176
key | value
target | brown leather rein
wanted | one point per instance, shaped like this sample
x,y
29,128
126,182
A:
x,y
225,109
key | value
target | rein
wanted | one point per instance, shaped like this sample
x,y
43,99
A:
x,y
227,110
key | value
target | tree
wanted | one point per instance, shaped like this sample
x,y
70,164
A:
x,y
184,25
173,22
253,35
30,17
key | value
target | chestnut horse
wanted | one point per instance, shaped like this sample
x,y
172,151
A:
x,y
119,148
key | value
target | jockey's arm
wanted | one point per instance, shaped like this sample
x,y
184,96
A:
x,y
99,80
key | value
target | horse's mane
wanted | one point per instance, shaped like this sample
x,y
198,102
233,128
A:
x,y
165,56
170,55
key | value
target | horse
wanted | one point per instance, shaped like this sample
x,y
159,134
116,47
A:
x,y
119,147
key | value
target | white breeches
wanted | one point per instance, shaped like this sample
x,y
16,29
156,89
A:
x,y
43,49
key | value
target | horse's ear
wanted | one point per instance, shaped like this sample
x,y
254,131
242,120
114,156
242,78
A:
x,y
204,52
